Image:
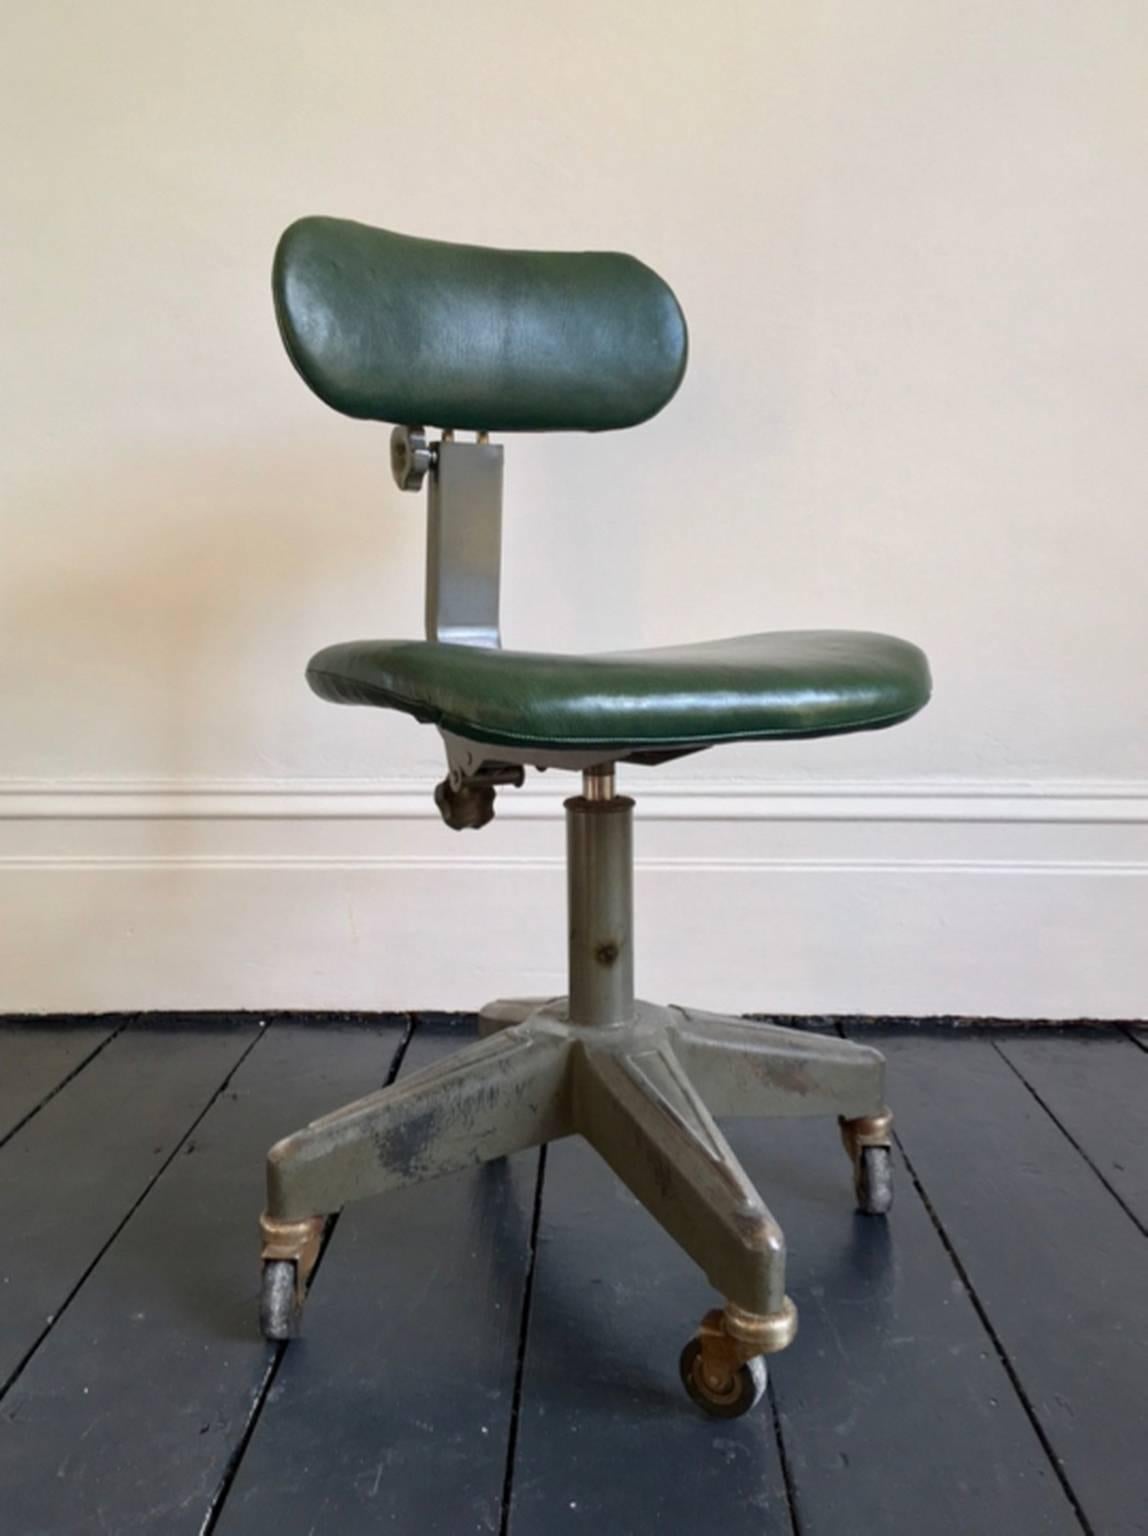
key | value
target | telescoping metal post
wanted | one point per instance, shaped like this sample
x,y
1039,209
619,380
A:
x,y
599,874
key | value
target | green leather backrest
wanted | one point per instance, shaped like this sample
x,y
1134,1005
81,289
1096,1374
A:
x,y
421,332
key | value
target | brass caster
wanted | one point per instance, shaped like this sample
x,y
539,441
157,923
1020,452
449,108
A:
x,y
722,1368
868,1141
725,1395
290,1250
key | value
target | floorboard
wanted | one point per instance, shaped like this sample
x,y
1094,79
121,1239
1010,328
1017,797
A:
x,y
497,1352
128,1416
1058,1267
38,1059
1096,1088
607,1440
896,1413
74,1171
394,1411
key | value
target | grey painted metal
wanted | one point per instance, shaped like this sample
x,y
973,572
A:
x,y
741,1068
506,1011
627,1087
640,1111
412,457
499,1096
464,544
469,756
600,901
640,1083
464,565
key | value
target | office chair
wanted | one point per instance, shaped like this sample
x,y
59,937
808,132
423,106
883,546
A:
x,y
410,331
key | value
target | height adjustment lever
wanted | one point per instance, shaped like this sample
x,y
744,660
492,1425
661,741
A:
x,y
466,800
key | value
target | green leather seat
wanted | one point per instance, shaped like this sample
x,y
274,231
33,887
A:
x,y
681,697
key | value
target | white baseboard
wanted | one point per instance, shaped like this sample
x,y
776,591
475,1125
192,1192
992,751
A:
x,y
1008,899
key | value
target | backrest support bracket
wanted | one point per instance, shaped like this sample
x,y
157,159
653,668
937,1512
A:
x,y
464,532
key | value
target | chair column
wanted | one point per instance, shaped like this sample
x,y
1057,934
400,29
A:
x,y
599,884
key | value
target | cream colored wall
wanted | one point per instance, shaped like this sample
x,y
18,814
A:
x,y
911,241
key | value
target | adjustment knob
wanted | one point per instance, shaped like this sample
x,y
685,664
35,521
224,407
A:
x,y
411,457
464,806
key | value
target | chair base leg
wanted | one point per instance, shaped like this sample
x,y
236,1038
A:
x,y
508,1011
644,1093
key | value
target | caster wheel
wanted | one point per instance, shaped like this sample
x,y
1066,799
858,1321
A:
x,y
728,1399
280,1314
873,1180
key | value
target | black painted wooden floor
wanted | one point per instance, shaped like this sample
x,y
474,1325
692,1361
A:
x,y
497,1352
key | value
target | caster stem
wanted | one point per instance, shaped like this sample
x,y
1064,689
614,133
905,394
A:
x,y
297,1241
289,1249
757,1333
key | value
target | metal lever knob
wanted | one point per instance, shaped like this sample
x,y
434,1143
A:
x,y
411,457
466,805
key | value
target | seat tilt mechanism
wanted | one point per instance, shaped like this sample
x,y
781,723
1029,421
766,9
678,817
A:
x,y
466,800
